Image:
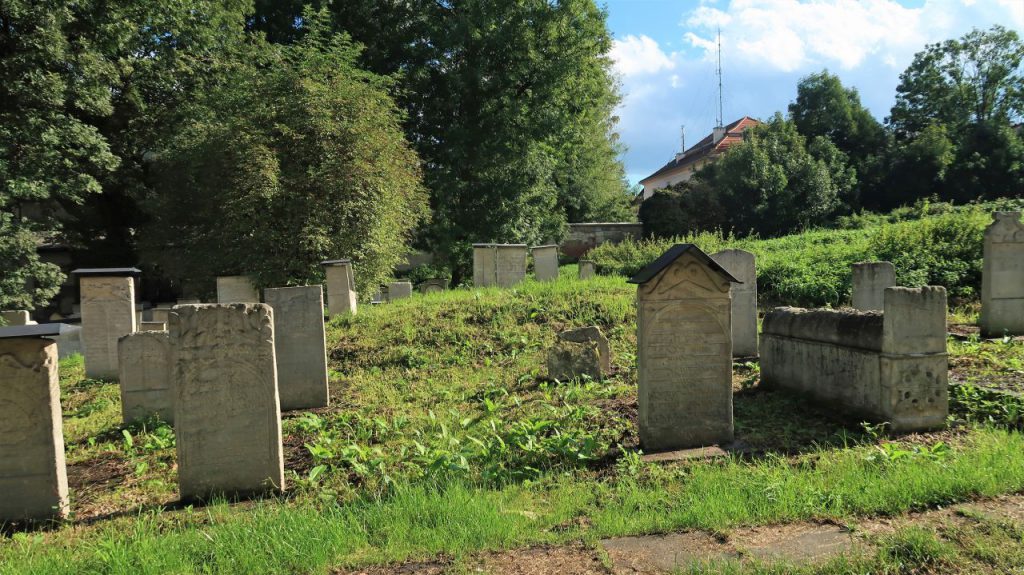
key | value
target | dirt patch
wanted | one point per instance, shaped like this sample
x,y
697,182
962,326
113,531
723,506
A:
x,y
296,457
569,560
428,568
796,543
963,330
89,480
665,553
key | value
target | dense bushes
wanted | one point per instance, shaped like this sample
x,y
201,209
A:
x,y
813,268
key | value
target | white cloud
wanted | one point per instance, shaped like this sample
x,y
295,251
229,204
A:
x,y
639,55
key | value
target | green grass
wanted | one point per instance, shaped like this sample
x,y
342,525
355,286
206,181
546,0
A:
x,y
444,438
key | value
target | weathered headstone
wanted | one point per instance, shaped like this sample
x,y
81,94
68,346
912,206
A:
x,y
587,269
227,409
545,262
16,317
399,290
108,312
741,265
145,376
502,265
433,285
870,279
188,301
685,351
581,351
1002,278
153,326
341,287
33,476
162,314
300,346
236,289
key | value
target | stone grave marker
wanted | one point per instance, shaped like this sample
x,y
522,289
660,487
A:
x,y
587,269
236,289
108,312
577,352
341,287
545,262
685,351
502,265
870,279
33,475
398,290
145,376
16,317
741,265
1002,277
153,326
433,285
227,409
300,346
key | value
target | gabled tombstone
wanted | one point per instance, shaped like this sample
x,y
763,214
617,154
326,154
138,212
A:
x,y
1002,276
684,335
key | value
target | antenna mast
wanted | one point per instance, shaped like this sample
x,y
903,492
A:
x,y
719,77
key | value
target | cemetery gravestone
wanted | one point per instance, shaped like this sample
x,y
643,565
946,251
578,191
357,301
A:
x,y
582,351
502,265
399,290
685,351
236,289
341,287
300,346
587,269
33,476
1002,278
16,317
741,265
145,376
108,312
153,326
870,279
227,410
433,285
545,263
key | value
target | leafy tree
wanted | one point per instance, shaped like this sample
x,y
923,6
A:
x,y
296,155
51,77
771,184
510,104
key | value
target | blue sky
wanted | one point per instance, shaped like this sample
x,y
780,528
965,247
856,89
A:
x,y
664,55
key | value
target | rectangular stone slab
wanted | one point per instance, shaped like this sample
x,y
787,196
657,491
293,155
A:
x,y
341,287
33,476
545,263
145,376
236,289
108,312
227,409
300,345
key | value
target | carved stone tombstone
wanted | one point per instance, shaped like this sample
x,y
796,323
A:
x,y
300,346
580,351
145,376
33,476
108,312
236,289
742,266
545,263
502,265
685,351
870,279
341,287
399,290
227,409
433,285
1002,278
587,269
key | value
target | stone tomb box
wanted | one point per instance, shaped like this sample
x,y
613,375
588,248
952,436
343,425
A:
x,y
685,351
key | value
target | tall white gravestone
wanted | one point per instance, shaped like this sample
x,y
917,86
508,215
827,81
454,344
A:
x,y
545,262
1002,278
685,351
300,346
236,289
108,312
870,280
341,287
227,409
33,476
742,266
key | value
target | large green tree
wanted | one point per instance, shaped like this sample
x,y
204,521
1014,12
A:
x,y
293,156
510,105
53,76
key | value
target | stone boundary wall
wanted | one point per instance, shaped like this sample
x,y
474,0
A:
x,y
885,367
584,237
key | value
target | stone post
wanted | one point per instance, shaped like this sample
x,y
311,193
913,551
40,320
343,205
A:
x,y
685,351
108,312
236,289
145,376
741,264
545,262
1002,277
300,346
870,279
587,269
33,476
227,409
341,287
